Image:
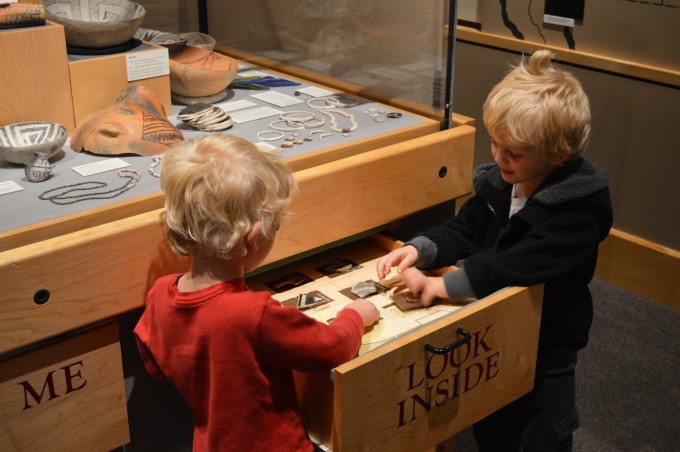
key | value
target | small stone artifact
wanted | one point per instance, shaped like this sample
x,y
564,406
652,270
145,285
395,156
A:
x,y
199,74
96,23
38,169
20,141
135,124
25,14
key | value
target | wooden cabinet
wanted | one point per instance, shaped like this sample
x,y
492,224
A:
x,y
68,273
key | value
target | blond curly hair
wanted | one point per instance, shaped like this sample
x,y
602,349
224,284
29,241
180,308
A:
x,y
216,188
538,105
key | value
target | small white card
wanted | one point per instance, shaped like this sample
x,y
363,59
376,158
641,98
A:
x,y
278,99
557,20
315,91
251,73
100,167
254,114
267,146
9,186
236,105
153,63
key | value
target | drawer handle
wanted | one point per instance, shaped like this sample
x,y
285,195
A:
x,y
442,351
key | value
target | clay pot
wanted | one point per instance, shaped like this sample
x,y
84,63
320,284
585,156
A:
x,y
200,40
20,141
135,124
107,22
15,15
159,37
198,72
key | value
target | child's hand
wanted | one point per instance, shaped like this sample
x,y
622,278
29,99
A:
x,y
367,310
403,258
427,287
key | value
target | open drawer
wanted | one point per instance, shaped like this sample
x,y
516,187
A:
x,y
400,394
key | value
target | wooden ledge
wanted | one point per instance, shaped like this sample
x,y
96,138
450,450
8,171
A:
x,y
617,66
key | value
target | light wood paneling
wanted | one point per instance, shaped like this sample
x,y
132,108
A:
x,y
68,396
615,65
640,266
34,78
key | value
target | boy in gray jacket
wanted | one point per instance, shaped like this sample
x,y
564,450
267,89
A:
x,y
538,216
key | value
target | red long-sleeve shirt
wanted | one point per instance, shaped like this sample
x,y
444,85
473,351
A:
x,y
229,351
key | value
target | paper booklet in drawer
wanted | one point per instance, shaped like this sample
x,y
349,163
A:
x,y
422,374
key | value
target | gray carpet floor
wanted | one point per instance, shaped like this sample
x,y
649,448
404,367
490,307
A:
x,y
628,377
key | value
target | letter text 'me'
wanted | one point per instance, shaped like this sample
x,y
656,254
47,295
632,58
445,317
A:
x,y
72,381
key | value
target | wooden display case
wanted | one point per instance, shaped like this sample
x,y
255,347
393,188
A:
x,y
70,272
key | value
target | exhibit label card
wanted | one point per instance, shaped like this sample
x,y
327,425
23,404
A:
x,y
253,114
100,167
236,105
9,186
153,63
315,91
278,99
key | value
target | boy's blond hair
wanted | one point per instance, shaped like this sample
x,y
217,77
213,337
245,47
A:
x,y
539,105
216,188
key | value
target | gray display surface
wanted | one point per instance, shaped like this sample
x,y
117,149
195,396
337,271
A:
x,y
24,208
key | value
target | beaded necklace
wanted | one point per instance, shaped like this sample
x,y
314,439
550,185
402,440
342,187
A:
x,y
61,198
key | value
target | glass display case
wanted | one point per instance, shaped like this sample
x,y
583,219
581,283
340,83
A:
x,y
393,51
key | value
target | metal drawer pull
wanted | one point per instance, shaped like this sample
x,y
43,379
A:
x,y
442,351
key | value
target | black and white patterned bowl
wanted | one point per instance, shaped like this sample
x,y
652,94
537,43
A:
x,y
158,37
96,23
20,141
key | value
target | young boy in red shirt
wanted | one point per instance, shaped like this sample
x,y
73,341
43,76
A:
x,y
538,216
230,351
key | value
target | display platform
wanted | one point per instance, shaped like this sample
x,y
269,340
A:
x,y
19,198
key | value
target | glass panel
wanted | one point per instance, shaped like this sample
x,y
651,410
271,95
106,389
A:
x,y
391,51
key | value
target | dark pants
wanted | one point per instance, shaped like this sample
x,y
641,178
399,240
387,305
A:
x,y
542,420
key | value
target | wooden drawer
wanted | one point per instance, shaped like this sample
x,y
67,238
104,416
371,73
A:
x,y
397,395
66,395
77,278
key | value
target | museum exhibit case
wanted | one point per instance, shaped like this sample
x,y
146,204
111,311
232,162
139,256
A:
x,y
84,245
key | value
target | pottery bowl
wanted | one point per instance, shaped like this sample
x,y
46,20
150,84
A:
x,y
18,142
159,37
198,72
96,23
200,40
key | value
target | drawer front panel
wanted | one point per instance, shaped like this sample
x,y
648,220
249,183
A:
x,y
404,398
65,396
